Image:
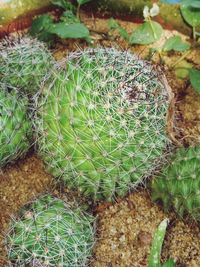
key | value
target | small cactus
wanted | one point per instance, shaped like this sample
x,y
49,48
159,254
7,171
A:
x,y
178,185
24,63
49,232
15,127
101,123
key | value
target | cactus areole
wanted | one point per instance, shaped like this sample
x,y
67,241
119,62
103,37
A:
x,y
101,122
50,233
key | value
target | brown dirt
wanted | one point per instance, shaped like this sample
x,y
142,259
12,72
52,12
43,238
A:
x,y
125,229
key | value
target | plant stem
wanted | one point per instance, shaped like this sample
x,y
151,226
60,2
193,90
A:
x,y
154,34
194,32
78,11
181,58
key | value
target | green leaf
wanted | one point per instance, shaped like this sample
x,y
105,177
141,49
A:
x,y
147,33
190,14
82,2
40,28
191,3
69,17
194,75
114,25
169,263
175,43
182,69
76,30
156,247
65,4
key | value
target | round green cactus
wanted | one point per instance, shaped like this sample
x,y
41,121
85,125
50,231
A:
x,y
178,185
24,63
49,232
101,123
15,127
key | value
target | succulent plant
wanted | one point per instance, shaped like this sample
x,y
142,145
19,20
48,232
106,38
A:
x,y
50,232
24,63
100,124
178,185
156,247
15,127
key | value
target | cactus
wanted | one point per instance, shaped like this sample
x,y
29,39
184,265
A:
x,y
49,232
178,185
24,63
15,127
100,124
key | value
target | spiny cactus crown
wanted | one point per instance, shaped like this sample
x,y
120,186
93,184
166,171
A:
x,y
178,185
24,63
101,123
15,127
50,233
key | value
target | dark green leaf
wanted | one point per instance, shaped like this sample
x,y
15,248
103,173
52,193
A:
x,y
147,33
191,15
76,30
175,43
82,2
191,3
123,33
194,75
40,28
182,69
69,17
114,25
65,4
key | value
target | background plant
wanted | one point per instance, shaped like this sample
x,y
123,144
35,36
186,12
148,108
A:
x,y
190,11
69,25
150,31
156,247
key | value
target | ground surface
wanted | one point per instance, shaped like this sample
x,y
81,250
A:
x,y
125,229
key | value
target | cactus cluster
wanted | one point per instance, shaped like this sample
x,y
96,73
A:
x,y
178,185
15,128
100,123
49,232
24,63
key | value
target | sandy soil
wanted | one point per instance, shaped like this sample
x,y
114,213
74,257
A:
x,y
125,229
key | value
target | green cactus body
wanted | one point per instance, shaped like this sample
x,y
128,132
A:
x,y
101,123
50,233
24,63
15,127
178,185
